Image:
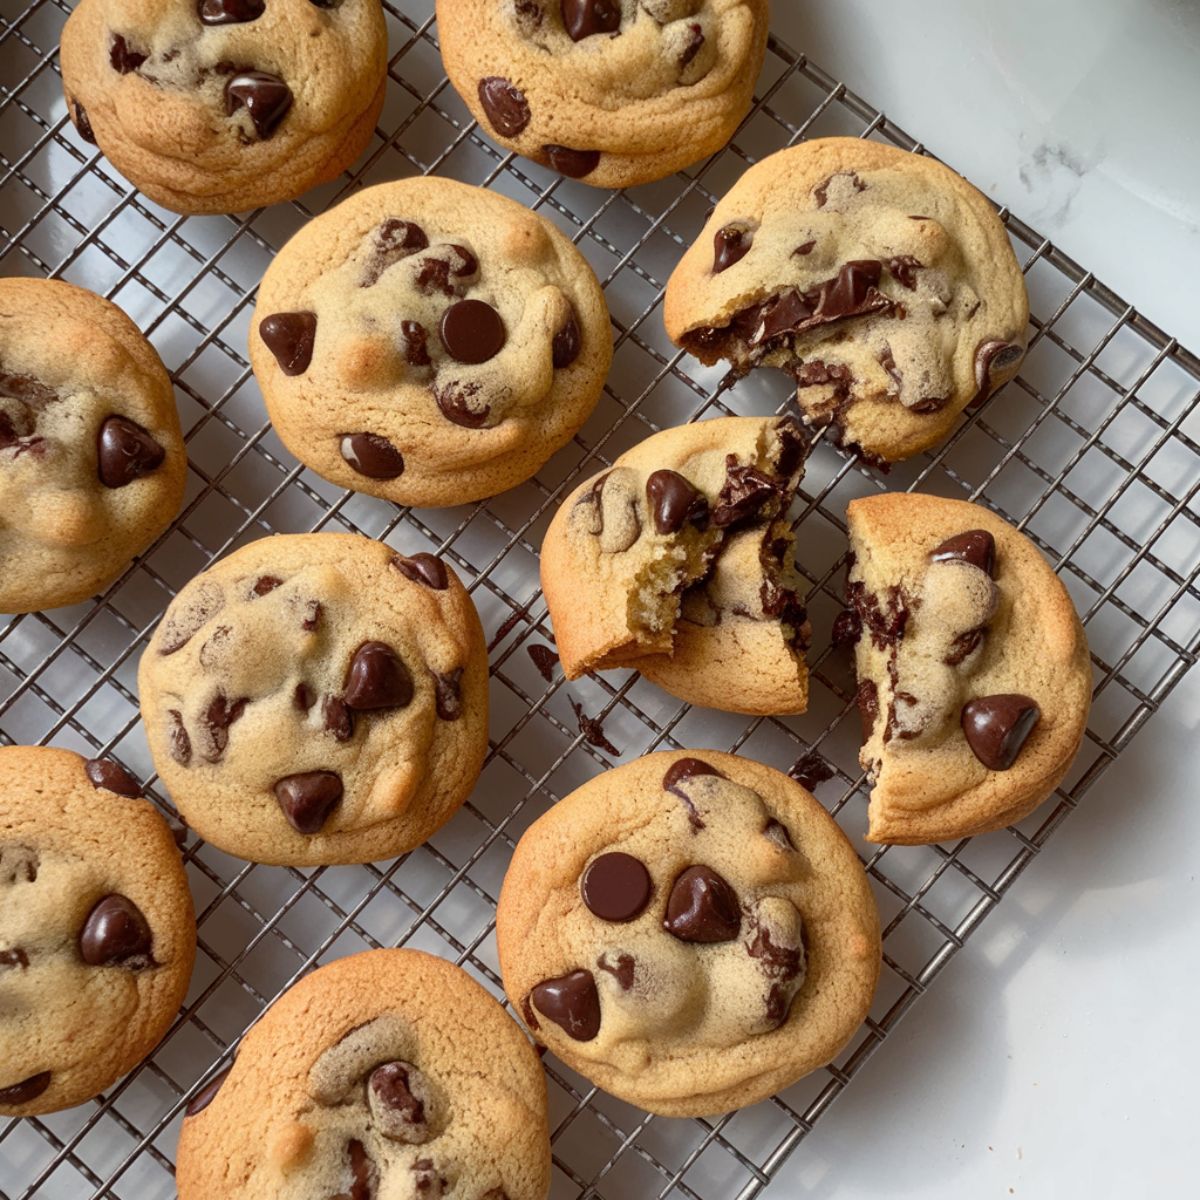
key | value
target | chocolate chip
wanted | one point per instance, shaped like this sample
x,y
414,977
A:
x,y
230,12
805,248
573,163
82,122
416,343
674,501
730,245
423,568
847,628
123,59
622,970
472,331
436,271
963,646
996,727
265,97
218,717
568,341
313,610
694,42
904,270
125,452
339,720
104,773
777,832
26,1090
308,798
505,105
583,18
448,692
702,907
428,1181
616,886
376,678
994,355
362,1174
204,1097
975,546
177,736
303,697
14,958
678,773
886,621
454,401
290,337
745,491
397,1096
811,770
265,584
116,934
371,455
867,699
821,191
571,1002
391,241
852,292
544,659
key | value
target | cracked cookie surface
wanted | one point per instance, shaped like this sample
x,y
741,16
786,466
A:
x,y
97,931
690,931
881,281
317,698
429,342
213,106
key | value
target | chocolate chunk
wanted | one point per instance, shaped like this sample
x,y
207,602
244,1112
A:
x,y
177,736
821,191
265,97
904,270
622,970
125,452
104,773
975,546
218,717
416,343
265,584
307,799
204,1097
339,720
290,337
391,241
398,1095
371,455
505,105
573,163
82,123
454,399
994,355
303,697
472,331
811,770
745,491
362,1174
448,694
847,628
694,42
867,699
996,727
116,934
544,659
123,59
26,1090
702,907
583,18
678,773
963,646
231,12
730,245
674,501
376,678
568,341
12,959
423,568
572,1002
616,886
777,832
592,729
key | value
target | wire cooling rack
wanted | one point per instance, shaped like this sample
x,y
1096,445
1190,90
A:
x,y
1092,451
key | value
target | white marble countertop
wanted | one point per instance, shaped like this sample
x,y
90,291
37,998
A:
x,y
1054,1057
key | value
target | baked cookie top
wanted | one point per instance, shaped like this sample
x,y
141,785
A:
x,y
317,698
882,281
222,105
429,342
92,463
974,677
678,561
97,932
388,1073
613,92
690,931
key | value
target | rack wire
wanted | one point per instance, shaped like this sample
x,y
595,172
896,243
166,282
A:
x,y
1093,452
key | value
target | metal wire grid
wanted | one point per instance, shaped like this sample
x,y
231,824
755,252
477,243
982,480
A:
x,y
1093,452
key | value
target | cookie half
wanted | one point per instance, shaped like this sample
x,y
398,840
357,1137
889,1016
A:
x,y
429,342
97,931
92,462
388,1073
974,676
611,92
881,281
317,698
213,106
691,931
678,561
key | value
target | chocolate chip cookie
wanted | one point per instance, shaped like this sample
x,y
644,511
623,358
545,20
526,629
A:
x,y
881,281
678,561
974,677
389,1073
97,932
690,931
429,342
212,106
318,698
92,463
612,92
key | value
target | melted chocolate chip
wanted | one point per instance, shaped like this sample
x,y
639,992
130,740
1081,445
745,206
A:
x,y
307,799
975,546
448,694
416,343
852,292
904,270
125,452
575,164
290,337
392,240
777,832
804,249
15,958
568,341
694,42
26,1090
994,355
265,584
730,245
362,1173
204,1097
454,401
436,271
397,1098
674,501
811,770
303,697
116,934
847,628
231,12
177,737
123,59
104,773
867,699
82,122
544,659
472,331
678,773
218,717
622,970
745,491
265,97
702,907
997,727
616,886
371,455
428,1180
592,729
571,1002
885,621
583,18
505,105
963,646
376,678
423,568
339,720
